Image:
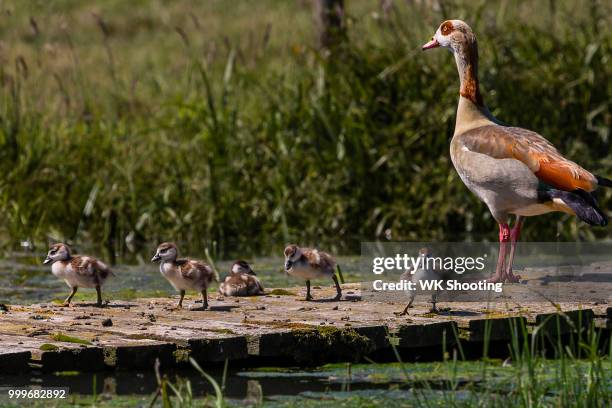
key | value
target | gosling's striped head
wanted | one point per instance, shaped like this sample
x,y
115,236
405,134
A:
x,y
166,251
292,254
58,252
240,267
452,34
425,252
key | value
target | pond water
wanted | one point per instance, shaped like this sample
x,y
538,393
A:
x,y
390,384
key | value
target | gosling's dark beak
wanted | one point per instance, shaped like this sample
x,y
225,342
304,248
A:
x,y
288,264
250,272
47,260
156,258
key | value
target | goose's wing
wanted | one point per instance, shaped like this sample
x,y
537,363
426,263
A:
x,y
90,267
83,265
194,270
187,268
319,259
533,150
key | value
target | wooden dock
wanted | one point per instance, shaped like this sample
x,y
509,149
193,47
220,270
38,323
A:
x,y
271,329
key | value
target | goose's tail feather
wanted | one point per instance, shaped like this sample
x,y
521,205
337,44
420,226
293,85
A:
x,y
602,181
583,204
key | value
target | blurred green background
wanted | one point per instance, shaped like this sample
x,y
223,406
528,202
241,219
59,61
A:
x,y
221,124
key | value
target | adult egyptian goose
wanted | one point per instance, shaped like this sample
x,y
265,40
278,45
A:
x,y
513,170
307,263
184,274
241,281
77,270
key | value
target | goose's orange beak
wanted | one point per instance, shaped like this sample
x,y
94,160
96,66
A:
x,y
432,44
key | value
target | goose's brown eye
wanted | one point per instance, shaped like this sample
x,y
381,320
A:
x,y
446,28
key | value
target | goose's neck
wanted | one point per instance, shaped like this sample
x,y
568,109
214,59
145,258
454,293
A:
x,y
471,111
466,56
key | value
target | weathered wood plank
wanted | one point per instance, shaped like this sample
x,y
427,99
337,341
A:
x,y
57,355
119,339
427,334
304,343
131,356
13,360
218,349
73,359
269,344
131,334
501,328
569,321
378,335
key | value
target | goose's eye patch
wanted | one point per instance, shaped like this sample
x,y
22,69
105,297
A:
x,y
446,28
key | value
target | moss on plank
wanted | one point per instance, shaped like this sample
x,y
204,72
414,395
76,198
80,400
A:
x,y
110,356
281,292
323,344
70,339
220,330
181,355
280,324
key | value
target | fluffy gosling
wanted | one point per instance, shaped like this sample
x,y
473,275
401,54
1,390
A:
x,y
77,270
241,281
307,263
183,274
424,273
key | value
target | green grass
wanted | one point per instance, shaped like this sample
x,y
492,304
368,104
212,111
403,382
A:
x,y
224,128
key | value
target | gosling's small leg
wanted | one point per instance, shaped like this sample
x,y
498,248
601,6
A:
x,y
434,299
70,296
405,311
338,288
99,293
308,296
204,299
433,309
180,303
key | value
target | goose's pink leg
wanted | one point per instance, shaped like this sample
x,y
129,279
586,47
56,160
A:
x,y
515,233
504,238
